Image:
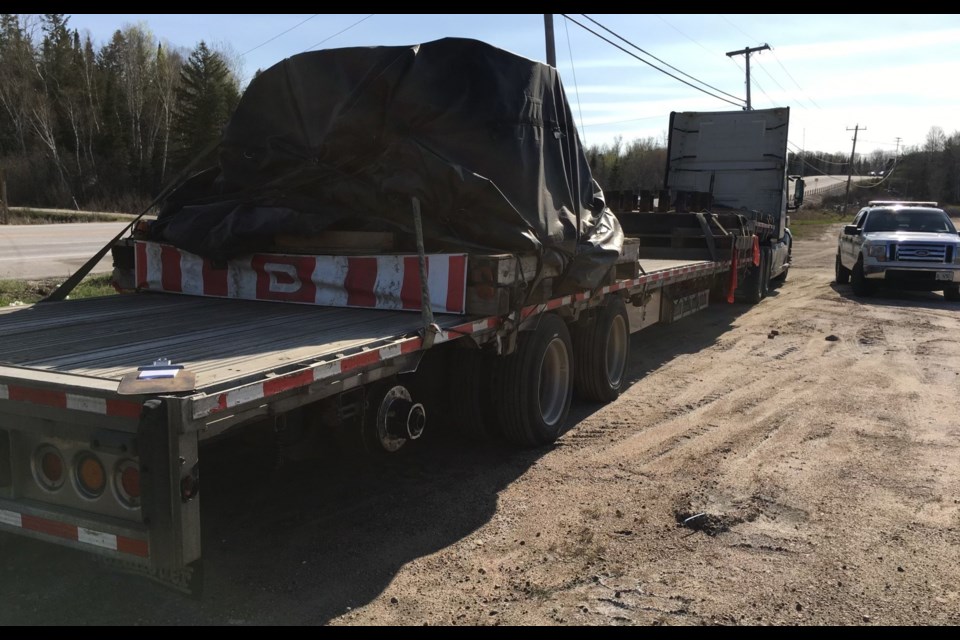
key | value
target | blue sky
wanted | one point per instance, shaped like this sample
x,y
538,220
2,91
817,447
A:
x,y
896,75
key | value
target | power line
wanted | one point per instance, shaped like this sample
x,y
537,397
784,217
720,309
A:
x,y
314,46
737,28
602,124
664,20
610,31
576,87
279,34
633,55
794,81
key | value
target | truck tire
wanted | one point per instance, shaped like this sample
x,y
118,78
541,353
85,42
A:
x,y
766,268
780,279
533,386
752,288
468,394
858,281
601,350
952,293
841,273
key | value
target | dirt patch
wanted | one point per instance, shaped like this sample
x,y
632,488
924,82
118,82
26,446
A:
x,y
823,460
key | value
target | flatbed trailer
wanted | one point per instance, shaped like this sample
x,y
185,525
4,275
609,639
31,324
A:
x,y
114,473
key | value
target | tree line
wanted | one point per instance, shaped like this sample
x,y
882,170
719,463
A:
x,y
930,171
105,127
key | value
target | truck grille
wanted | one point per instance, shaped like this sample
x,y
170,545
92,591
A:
x,y
917,252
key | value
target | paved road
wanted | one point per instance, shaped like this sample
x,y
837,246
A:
x,y
53,250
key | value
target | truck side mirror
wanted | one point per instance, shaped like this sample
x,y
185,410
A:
x,y
851,230
798,193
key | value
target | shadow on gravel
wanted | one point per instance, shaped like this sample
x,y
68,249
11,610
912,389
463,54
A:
x,y
897,298
655,346
309,541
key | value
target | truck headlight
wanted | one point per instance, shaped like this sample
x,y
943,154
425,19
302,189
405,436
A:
x,y
878,251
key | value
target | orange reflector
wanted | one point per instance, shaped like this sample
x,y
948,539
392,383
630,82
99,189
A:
x,y
130,481
90,475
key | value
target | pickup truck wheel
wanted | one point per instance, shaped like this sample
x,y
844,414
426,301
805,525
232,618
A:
x,y
601,349
533,386
841,273
952,293
858,280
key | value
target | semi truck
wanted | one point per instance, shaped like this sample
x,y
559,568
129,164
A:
x,y
263,305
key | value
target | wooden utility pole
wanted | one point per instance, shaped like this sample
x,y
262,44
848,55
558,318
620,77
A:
x,y
846,197
4,210
746,54
548,34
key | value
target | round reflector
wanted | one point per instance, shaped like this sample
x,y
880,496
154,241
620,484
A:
x,y
91,478
48,467
126,479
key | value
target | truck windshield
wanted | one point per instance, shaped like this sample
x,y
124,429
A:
x,y
931,221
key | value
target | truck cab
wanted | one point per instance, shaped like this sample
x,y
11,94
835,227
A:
x,y
905,245
740,158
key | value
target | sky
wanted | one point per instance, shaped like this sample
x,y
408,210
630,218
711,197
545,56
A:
x,y
894,76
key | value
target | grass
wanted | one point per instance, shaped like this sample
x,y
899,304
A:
x,y
24,215
810,224
18,292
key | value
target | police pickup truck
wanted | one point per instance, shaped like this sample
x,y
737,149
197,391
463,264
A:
x,y
904,245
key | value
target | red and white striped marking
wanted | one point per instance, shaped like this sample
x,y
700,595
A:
x,y
64,400
373,282
67,531
208,405
259,391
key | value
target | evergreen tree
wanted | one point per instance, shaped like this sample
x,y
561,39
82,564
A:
x,y
206,97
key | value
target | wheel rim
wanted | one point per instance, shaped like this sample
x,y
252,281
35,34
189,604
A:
x,y
616,356
554,381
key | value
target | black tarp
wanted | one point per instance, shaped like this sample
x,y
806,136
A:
x,y
344,138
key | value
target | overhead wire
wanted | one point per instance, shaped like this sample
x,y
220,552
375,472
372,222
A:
x,y
344,30
574,70
279,34
646,62
613,33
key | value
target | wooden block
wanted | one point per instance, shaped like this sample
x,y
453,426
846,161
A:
x,y
340,241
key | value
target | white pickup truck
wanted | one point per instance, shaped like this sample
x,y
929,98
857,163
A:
x,y
905,245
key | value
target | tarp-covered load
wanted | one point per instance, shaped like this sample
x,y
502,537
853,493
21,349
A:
x,y
344,139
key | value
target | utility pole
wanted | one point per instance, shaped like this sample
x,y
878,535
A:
x,y
896,153
746,54
548,33
846,197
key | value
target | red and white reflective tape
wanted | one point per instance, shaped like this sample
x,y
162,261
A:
x,y
212,404
369,282
64,400
67,531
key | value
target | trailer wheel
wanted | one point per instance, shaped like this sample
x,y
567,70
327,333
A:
x,y
468,394
841,273
533,386
601,349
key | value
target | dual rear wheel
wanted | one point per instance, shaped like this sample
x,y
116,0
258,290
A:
x,y
525,397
